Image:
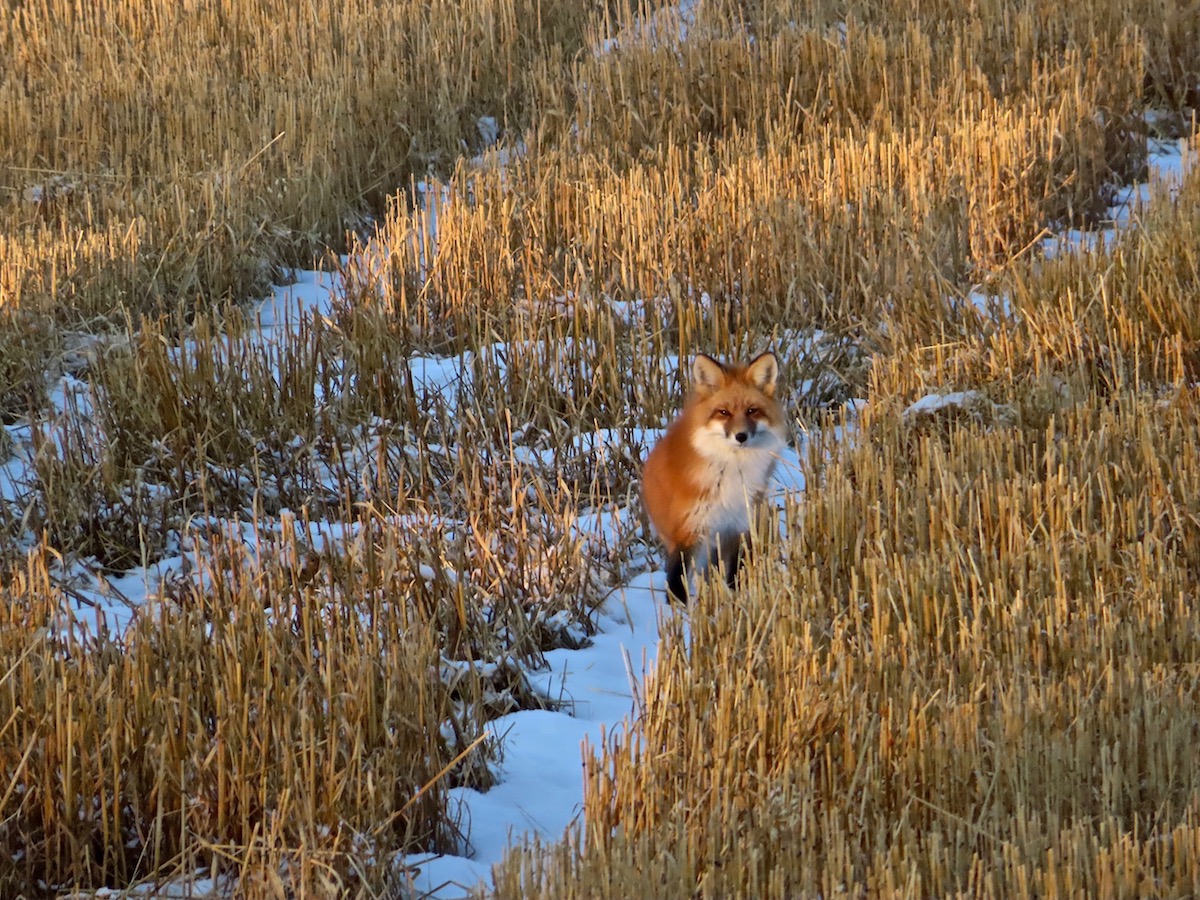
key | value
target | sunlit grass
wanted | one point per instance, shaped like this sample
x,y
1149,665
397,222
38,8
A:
x,y
966,670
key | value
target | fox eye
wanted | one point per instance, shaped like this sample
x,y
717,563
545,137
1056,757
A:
x,y
752,411
724,413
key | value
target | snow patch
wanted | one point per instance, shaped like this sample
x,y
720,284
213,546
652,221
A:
x,y
932,403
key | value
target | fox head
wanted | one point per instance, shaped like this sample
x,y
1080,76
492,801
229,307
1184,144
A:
x,y
734,407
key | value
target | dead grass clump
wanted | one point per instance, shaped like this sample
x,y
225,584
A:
x,y
49,271
262,723
26,343
1007,42
219,409
539,347
89,506
721,70
312,422
162,250
1116,312
1124,306
165,434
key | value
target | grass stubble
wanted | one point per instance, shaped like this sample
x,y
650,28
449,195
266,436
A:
x,y
969,669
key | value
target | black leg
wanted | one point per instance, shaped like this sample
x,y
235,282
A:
x,y
677,587
729,553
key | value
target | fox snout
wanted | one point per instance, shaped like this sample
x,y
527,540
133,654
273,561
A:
x,y
741,433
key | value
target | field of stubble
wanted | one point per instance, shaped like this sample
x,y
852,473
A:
x,y
971,668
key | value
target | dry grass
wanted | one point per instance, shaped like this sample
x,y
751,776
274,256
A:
x,y
167,157
967,670
271,720
974,674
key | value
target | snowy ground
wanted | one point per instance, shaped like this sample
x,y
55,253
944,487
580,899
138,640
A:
x,y
539,787
541,771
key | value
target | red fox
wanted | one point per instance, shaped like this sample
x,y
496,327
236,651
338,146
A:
x,y
703,480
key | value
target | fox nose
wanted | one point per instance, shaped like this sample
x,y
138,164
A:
x,y
741,437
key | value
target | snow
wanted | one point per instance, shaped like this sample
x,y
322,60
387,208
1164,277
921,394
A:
x,y
1169,162
540,775
932,403
667,26
312,294
992,307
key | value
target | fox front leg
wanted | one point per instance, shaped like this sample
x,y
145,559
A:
x,y
677,586
729,553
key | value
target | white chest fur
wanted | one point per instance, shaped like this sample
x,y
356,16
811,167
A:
x,y
736,477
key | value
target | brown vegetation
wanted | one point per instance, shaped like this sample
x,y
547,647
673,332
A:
x,y
970,667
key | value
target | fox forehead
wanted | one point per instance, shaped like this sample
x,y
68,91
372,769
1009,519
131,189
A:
x,y
736,399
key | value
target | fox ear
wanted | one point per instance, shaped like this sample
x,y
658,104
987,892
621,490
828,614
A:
x,y
707,374
763,372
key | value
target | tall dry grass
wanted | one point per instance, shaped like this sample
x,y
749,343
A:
x,y
970,675
165,157
274,720
969,671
